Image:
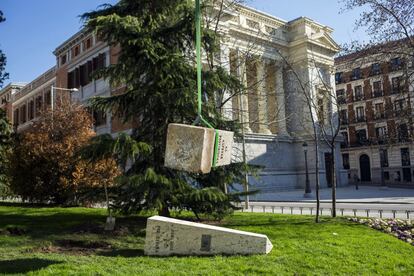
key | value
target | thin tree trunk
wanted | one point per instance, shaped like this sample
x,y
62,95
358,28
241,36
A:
x,y
334,180
318,203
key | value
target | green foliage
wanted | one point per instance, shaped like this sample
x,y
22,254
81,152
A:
x,y
5,151
156,63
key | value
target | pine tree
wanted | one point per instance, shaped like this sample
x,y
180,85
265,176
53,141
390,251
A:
x,y
157,65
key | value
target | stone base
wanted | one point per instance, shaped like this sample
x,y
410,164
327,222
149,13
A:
x,y
166,236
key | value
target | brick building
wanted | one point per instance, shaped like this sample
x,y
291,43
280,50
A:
x,y
375,106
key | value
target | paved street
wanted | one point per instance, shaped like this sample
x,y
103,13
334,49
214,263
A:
x,y
365,194
367,201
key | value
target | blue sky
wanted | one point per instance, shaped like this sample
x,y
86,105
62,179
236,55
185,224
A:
x,y
34,28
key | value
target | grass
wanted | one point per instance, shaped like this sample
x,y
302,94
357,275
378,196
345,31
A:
x,y
335,246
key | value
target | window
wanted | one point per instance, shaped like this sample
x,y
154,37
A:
x,y
16,117
375,69
383,158
379,111
381,133
63,59
402,132
396,64
341,97
398,106
361,136
356,73
396,85
405,157
48,98
358,93
82,75
343,116
338,78
99,118
31,110
377,89
345,161
23,113
360,114
344,134
38,105
87,44
76,51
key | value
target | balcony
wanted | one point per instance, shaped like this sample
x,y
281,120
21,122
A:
x,y
396,67
379,116
375,72
377,94
358,97
361,119
344,121
341,99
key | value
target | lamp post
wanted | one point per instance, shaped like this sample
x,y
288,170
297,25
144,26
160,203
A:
x,y
308,191
52,93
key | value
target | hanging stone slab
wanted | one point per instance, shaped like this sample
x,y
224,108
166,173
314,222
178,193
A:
x,y
189,148
166,237
225,147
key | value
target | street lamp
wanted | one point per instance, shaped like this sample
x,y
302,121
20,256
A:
x,y
52,93
308,191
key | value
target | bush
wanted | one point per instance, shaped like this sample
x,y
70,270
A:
x,y
45,164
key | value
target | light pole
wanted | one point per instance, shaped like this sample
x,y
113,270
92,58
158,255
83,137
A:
x,y
52,93
308,191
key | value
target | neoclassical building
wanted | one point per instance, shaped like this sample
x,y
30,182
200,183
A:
x,y
283,65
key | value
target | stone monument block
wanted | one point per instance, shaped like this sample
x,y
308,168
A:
x,y
189,148
225,147
166,237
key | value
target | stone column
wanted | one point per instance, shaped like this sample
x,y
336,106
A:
x,y
262,104
281,102
227,108
243,97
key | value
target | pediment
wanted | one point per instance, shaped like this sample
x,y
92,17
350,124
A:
x,y
325,40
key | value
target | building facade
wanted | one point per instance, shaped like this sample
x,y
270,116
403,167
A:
x,y
278,61
375,92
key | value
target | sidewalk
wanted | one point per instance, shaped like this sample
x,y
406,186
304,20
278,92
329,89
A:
x,y
365,194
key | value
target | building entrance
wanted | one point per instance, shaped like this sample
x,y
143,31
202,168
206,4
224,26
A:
x,y
365,168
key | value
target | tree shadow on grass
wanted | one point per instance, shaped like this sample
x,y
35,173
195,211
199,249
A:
x,y
24,265
126,253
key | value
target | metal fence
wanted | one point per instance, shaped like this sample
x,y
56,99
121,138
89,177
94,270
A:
x,y
294,210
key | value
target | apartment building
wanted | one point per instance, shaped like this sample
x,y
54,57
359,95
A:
x,y
375,106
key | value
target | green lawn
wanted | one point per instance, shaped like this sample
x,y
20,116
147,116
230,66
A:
x,y
300,247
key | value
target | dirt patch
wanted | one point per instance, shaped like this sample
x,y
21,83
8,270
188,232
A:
x,y
75,247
